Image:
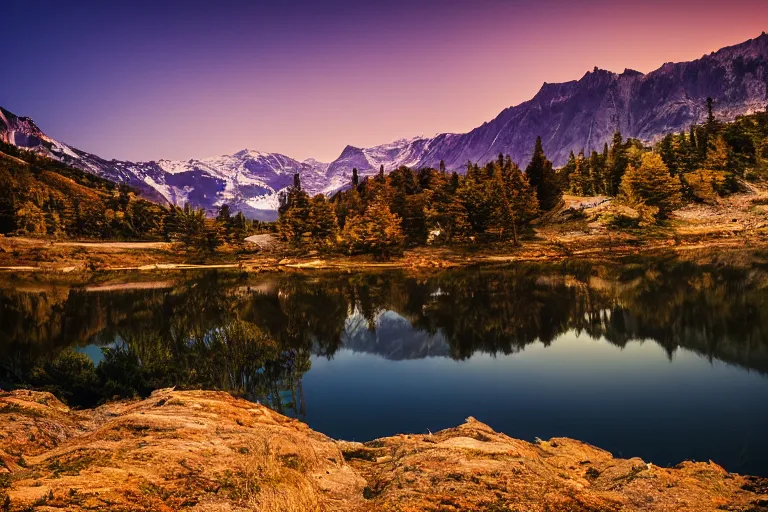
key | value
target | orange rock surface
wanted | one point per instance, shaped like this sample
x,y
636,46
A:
x,y
208,451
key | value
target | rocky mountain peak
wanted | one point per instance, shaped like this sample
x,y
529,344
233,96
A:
x,y
570,116
349,151
630,72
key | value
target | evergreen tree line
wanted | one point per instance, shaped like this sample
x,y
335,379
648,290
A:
x,y
42,197
707,160
384,213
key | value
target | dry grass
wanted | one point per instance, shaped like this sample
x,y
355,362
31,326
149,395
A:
x,y
269,478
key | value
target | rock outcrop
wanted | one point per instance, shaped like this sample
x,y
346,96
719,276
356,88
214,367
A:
x,y
208,451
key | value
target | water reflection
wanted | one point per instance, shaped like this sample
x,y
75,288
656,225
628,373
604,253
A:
x,y
257,336
224,331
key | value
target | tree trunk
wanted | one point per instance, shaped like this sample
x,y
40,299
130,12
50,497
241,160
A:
x,y
514,232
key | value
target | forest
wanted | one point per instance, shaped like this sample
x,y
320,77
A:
x,y
44,198
496,202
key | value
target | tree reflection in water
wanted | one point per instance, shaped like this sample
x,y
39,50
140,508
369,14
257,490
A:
x,y
255,336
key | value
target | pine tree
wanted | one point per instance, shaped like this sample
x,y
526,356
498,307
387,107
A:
x,y
445,214
535,169
474,197
668,154
580,180
195,232
397,203
8,204
348,204
693,142
616,164
718,155
414,223
501,215
651,185
566,171
293,214
322,221
714,178
224,218
596,173
238,229
355,177
377,231
542,177
521,197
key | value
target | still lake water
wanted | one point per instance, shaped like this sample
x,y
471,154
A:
x,y
666,361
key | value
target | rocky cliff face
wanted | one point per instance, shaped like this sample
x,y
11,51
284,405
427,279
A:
x,y
210,452
581,114
586,113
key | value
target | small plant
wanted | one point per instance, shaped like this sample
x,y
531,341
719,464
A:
x,y
497,506
291,461
620,221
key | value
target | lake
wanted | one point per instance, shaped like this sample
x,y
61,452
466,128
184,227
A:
x,y
663,359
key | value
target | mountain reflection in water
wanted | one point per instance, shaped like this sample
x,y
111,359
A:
x,y
258,337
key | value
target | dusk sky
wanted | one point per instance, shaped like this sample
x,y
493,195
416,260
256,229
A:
x,y
144,80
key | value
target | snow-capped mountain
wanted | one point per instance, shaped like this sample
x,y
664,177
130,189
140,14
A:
x,y
393,338
249,181
575,115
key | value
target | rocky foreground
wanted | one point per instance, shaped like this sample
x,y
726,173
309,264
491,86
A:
x,y
207,451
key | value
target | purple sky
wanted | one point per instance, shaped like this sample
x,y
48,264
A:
x,y
143,80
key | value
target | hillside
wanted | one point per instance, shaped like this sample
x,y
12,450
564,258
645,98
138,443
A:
x,y
44,197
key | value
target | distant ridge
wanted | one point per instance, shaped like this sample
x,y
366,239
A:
x,y
569,116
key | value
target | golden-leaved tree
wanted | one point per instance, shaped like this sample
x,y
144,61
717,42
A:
x,y
713,178
377,231
650,186
322,220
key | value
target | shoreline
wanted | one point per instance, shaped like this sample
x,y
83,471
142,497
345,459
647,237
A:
x,y
209,451
108,257
737,221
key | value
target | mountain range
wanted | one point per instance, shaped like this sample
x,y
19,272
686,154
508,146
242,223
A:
x,y
569,116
